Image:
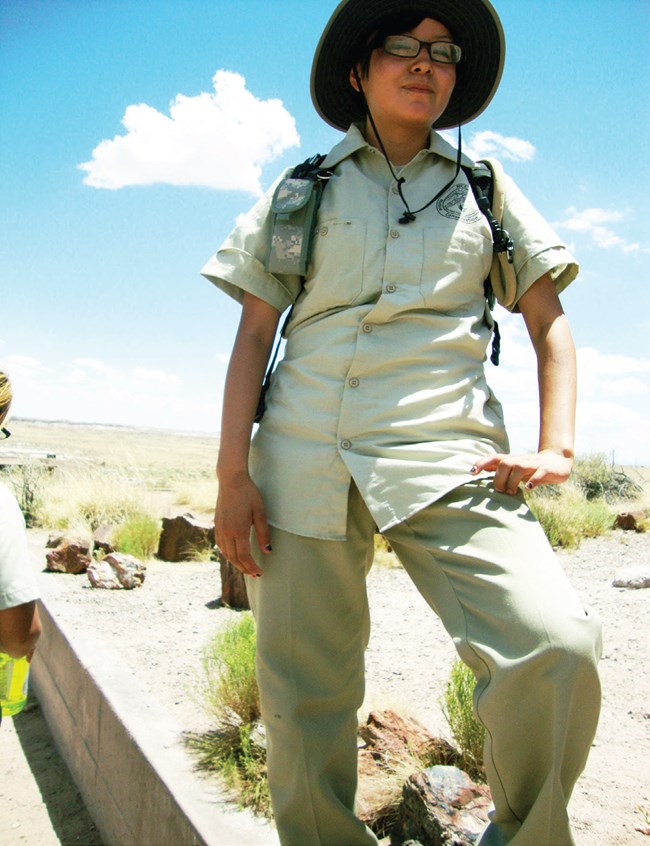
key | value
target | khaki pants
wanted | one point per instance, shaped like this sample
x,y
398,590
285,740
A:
x,y
483,564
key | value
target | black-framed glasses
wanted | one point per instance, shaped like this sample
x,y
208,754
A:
x,y
4,434
408,47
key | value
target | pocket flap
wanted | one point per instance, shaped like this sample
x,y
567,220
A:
x,y
292,195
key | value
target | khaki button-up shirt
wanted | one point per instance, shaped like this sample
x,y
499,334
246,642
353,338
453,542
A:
x,y
382,379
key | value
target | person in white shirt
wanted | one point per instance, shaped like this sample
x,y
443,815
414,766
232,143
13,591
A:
x,y
20,625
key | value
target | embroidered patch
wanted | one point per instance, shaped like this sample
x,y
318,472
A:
x,y
452,205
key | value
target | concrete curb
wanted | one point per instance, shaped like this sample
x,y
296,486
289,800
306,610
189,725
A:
x,y
125,753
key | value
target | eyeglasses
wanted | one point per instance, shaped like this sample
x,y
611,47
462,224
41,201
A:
x,y
408,47
4,434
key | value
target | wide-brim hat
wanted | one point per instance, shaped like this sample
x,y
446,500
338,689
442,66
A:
x,y
474,25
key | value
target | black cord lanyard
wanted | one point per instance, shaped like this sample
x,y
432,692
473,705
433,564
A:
x,y
408,215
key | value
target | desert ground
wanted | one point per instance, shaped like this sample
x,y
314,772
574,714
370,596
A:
x,y
161,628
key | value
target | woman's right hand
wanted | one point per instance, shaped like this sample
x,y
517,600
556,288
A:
x,y
240,507
239,503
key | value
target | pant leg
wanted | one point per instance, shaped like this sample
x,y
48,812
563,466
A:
x,y
484,565
312,619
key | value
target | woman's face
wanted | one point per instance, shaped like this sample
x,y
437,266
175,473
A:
x,y
409,93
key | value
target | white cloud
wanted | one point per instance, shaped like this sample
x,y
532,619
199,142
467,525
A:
x,y
594,223
76,377
22,363
620,366
154,379
217,140
613,414
95,365
488,143
91,390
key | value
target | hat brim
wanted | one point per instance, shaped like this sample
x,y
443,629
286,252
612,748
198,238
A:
x,y
474,24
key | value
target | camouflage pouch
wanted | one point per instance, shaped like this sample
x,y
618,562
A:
x,y
294,207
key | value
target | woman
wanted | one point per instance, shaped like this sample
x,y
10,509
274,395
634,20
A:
x,y
20,626
380,415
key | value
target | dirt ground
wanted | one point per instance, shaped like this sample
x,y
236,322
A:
x,y
41,805
161,628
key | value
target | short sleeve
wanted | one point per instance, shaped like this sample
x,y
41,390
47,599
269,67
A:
x,y
538,248
238,265
18,583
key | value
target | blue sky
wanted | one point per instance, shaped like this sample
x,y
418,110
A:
x,y
105,318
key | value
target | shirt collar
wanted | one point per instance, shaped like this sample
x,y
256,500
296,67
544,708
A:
x,y
354,140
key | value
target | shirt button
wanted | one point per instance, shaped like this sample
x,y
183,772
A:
x,y
367,328
353,382
391,288
346,444
394,233
323,230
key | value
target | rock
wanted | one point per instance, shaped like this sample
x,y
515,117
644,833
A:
x,y
68,556
441,806
102,575
233,585
633,577
117,571
392,746
182,536
102,540
631,521
389,736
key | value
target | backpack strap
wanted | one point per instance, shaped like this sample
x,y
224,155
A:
x,y
503,279
266,384
486,181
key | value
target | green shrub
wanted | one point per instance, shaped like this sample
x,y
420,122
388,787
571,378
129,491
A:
x,y
236,749
229,674
139,535
467,732
583,507
570,517
597,478
238,754
73,495
111,505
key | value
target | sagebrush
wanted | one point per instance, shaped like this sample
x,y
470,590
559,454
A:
x,y
468,733
230,695
138,535
585,506
570,517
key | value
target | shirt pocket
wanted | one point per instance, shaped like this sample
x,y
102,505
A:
x,y
455,264
335,273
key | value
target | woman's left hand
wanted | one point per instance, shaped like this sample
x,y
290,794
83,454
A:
x,y
546,467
